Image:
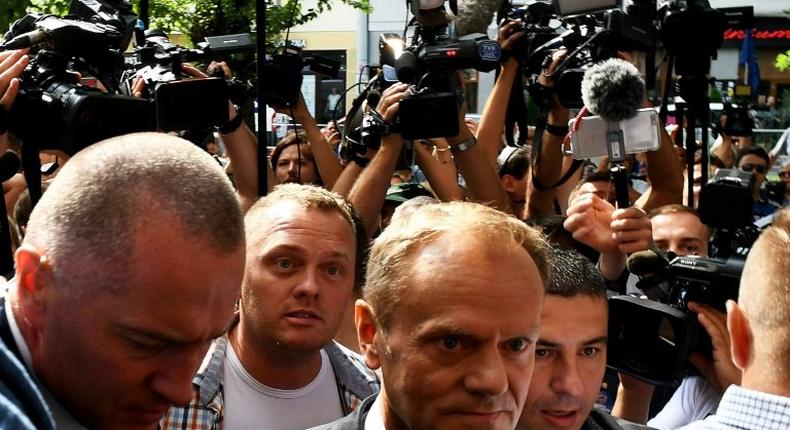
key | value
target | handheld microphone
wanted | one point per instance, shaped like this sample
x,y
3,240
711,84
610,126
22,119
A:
x,y
613,90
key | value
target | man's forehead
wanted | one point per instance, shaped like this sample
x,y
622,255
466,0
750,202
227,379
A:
x,y
288,217
676,220
580,318
752,159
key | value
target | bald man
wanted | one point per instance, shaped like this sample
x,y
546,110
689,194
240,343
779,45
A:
x,y
759,337
131,266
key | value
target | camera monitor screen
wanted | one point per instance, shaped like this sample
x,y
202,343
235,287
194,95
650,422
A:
x,y
575,7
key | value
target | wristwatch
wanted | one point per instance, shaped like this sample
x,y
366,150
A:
x,y
463,146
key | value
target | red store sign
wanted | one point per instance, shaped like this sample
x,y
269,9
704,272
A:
x,y
731,34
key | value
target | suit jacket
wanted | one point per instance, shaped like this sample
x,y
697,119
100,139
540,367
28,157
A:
x,y
22,407
597,420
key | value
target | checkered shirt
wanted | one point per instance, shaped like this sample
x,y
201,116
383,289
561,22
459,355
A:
x,y
745,409
355,382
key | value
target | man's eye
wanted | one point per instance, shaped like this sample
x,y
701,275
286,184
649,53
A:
x,y
145,345
590,351
333,270
543,353
518,345
284,264
450,343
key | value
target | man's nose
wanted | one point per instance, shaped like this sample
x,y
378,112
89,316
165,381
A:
x,y
309,284
173,380
487,374
566,379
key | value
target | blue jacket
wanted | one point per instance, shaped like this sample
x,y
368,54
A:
x,y
22,407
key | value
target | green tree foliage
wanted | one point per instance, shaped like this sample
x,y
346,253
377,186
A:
x,y
195,18
199,18
783,62
11,10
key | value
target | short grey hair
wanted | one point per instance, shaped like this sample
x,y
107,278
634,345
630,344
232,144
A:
x,y
390,259
87,219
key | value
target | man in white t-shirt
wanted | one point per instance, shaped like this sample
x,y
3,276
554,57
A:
x,y
279,367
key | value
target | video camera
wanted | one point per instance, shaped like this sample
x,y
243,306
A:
x,y
651,338
593,31
54,110
738,122
429,64
285,69
725,204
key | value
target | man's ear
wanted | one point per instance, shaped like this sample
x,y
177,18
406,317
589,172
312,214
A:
x,y
364,318
33,275
741,337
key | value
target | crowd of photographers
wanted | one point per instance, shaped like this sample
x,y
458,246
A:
x,y
447,282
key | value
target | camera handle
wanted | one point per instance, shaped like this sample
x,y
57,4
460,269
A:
x,y
617,172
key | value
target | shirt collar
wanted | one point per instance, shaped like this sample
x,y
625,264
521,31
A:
x,y
744,408
375,420
24,351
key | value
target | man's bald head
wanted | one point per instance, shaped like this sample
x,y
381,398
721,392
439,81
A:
x,y
110,190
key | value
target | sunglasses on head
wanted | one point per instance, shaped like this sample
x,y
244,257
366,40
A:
x,y
759,168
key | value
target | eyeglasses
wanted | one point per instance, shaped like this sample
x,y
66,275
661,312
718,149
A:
x,y
785,174
759,168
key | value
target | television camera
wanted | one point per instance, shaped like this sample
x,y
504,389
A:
x,y
54,110
429,64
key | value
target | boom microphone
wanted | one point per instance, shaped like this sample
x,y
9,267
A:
x,y
474,16
613,90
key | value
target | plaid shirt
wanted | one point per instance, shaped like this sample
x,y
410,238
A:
x,y
355,382
745,409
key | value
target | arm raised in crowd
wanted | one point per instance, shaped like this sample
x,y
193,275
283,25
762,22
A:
x,y
665,175
548,165
242,147
329,167
492,121
481,178
369,190
439,168
347,178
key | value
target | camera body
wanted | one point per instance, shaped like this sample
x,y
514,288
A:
x,y
725,204
55,111
429,64
591,35
651,338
